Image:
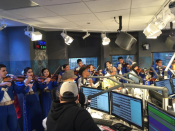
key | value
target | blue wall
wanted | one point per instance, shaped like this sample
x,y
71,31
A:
x,y
4,49
19,49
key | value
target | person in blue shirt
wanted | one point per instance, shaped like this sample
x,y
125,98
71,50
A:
x,y
77,68
8,116
121,69
108,65
79,65
32,115
65,67
46,87
170,74
158,68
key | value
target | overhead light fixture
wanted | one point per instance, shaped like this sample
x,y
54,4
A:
x,y
165,17
33,35
152,31
67,39
87,35
2,25
105,40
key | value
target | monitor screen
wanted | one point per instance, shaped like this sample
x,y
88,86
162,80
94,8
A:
x,y
164,83
173,82
127,108
100,102
160,120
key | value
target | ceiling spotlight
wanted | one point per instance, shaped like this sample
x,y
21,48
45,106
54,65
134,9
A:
x,y
152,31
2,25
33,35
67,39
165,17
87,34
105,40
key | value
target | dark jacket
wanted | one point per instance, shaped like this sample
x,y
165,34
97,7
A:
x,y
69,117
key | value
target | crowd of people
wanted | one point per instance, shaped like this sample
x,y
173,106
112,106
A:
x,y
60,102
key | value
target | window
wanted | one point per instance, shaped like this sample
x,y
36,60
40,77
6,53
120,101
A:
x,y
125,58
164,56
86,61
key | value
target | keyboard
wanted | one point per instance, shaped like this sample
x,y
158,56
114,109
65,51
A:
x,y
103,122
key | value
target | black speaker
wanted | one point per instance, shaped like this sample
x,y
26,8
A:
x,y
170,43
125,41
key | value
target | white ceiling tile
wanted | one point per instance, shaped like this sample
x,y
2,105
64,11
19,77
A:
x,y
140,19
30,21
66,25
144,11
111,21
10,15
112,14
54,2
108,5
93,25
55,19
69,9
146,3
96,22
81,17
33,12
116,27
11,23
44,25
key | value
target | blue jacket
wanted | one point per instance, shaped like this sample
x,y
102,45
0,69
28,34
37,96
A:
x,y
157,70
94,79
34,87
124,69
104,72
13,88
51,85
61,73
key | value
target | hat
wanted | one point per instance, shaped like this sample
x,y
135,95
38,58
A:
x,y
68,74
69,87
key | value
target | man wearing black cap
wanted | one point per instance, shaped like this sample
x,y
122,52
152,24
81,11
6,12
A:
x,y
67,76
66,115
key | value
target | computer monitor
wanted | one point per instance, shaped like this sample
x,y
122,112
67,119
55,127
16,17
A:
x,y
127,108
159,119
173,84
100,102
164,83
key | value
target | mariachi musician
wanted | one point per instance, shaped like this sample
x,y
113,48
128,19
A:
x,y
122,68
8,117
159,68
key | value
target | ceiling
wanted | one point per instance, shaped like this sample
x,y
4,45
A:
x,y
82,15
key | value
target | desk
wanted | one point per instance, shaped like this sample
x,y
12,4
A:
x,y
105,116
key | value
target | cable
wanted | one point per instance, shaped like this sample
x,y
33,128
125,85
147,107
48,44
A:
x,y
115,20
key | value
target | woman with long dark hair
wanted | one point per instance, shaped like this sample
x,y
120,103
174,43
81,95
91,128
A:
x,y
46,87
32,116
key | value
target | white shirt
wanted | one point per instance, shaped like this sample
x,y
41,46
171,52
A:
x,y
6,97
30,90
